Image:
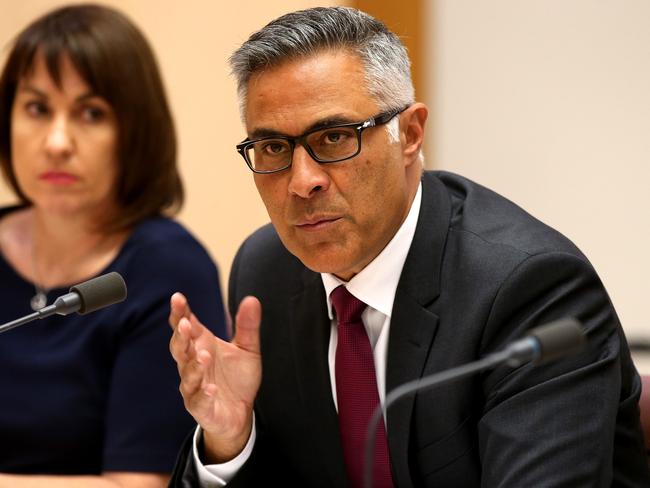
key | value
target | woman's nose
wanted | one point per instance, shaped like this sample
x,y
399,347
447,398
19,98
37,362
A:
x,y
59,141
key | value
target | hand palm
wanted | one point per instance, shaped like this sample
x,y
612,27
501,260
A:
x,y
232,381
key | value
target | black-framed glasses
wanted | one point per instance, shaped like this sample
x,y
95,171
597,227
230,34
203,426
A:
x,y
325,145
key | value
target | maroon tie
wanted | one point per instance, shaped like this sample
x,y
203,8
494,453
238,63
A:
x,y
356,391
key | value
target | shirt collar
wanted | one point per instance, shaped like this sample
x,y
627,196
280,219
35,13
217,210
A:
x,y
376,284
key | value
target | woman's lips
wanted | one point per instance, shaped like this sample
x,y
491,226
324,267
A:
x,y
59,177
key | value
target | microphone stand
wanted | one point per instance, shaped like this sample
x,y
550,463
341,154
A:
x,y
40,314
419,384
544,343
83,298
63,305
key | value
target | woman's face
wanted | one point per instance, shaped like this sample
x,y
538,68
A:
x,y
64,144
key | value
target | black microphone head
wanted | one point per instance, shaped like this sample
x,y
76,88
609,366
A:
x,y
559,338
100,292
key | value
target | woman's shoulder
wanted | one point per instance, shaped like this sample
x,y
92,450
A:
x,y
15,238
14,218
162,244
162,234
157,229
161,257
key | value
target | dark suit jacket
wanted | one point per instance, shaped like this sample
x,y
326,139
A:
x,y
480,272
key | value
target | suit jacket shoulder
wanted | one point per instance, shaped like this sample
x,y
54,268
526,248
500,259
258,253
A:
x,y
264,268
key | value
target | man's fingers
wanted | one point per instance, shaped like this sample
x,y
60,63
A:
x,y
179,345
247,325
204,358
196,391
179,308
192,374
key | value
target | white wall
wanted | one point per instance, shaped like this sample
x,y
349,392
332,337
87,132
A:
x,y
548,102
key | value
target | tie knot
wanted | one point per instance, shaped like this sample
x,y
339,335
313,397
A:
x,y
348,307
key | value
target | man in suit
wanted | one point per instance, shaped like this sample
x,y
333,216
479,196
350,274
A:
x,y
374,273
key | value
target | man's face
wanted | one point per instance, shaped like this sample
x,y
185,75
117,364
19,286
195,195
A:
x,y
336,217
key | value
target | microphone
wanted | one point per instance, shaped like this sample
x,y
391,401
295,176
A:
x,y
542,344
83,298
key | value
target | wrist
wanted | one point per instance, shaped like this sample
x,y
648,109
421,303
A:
x,y
217,449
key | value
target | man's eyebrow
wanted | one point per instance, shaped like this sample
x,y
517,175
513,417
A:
x,y
337,119
264,132
329,121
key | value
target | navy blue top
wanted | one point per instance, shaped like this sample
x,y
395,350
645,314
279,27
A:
x,y
99,392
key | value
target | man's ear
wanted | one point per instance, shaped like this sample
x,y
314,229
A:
x,y
412,122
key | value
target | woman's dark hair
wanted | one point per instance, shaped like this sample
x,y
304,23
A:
x,y
114,58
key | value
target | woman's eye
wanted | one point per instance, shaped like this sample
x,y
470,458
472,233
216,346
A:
x,y
36,109
92,114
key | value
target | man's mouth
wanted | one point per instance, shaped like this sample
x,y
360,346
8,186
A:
x,y
317,222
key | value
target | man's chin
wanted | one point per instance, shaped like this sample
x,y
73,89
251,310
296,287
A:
x,y
325,263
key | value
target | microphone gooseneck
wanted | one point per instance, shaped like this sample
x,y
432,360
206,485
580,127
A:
x,y
542,344
83,298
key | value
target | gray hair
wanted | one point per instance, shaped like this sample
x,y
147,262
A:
x,y
307,32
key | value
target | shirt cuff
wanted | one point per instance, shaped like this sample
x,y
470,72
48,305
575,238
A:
x,y
217,475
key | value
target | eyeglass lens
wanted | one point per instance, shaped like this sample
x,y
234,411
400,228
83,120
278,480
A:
x,y
326,145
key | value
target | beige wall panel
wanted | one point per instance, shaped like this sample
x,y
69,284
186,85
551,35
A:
x,y
548,102
192,40
405,18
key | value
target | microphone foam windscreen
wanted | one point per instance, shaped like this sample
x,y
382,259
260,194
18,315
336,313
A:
x,y
556,339
100,292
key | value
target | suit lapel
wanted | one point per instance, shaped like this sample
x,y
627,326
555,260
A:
x,y
413,323
310,333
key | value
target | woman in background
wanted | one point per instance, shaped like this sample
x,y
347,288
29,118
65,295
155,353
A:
x,y
87,143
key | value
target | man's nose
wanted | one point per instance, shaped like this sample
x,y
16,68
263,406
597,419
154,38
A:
x,y
307,176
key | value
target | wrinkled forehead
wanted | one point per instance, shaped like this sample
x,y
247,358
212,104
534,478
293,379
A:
x,y
300,90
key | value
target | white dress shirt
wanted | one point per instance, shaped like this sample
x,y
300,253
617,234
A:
x,y
375,285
